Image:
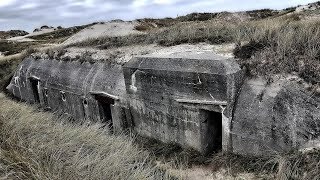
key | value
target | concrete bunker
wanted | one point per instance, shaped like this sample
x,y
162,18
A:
x,y
185,98
195,99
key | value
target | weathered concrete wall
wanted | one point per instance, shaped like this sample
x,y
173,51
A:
x,y
168,99
172,99
197,100
68,87
168,96
277,117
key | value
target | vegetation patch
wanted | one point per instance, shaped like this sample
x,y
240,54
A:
x,y
172,153
187,32
8,65
38,145
271,45
59,35
277,47
148,24
262,13
12,33
14,47
246,51
197,17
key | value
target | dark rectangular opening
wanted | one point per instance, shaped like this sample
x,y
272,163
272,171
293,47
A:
x,y
105,104
34,85
212,131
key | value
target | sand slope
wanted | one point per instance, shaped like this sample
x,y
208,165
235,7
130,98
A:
x,y
111,29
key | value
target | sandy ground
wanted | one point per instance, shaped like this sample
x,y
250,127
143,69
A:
x,y
26,37
206,173
234,17
203,173
111,29
222,50
122,55
7,58
306,7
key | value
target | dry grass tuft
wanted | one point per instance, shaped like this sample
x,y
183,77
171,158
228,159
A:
x,y
239,164
293,165
36,145
283,46
12,47
59,35
185,32
8,65
172,154
148,24
297,165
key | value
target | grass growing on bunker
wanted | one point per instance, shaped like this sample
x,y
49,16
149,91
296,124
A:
x,y
281,47
36,145
215,32
275,45
8,65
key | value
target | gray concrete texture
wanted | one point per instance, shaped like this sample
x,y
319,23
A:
x,y
173,97
275,118
197,100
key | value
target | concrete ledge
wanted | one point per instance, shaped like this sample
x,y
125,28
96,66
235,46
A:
x,y
196,101
116,98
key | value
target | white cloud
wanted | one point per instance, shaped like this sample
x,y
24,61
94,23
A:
x,y
70,14
169,2
163,2
28,6
4,3
105,7
140,3
84,3
300,1
27,14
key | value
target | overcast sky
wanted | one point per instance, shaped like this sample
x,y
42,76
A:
x,y
29,14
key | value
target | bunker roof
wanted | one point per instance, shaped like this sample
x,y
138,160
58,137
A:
x,y
198,62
